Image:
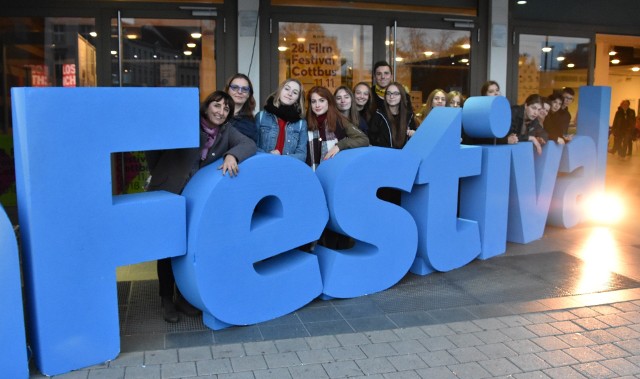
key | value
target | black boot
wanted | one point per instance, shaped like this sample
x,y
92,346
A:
x,y
185,307
169,312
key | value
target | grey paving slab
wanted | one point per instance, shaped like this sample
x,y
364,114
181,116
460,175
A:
x,y
497,350
347,353
342,369
375,350
437,358
563,373
467,354
314,356
408,347
178,370
379,365
621,366
557,358
436,343
500,366
594,370
248,363
274,373
470,370
529,362
144,372
407,362
550,343
282,359
214,366
317,371
260,347
584,354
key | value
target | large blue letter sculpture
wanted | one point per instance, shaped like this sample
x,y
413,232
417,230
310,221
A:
x,y
485,197
381,256
13,360
242,265
74,232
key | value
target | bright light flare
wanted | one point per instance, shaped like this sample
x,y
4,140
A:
x,y
604,208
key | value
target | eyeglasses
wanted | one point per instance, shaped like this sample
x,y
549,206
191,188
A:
x,y
237,88
568,97
393,94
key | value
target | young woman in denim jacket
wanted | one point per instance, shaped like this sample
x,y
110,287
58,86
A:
x,y
329,131
282,129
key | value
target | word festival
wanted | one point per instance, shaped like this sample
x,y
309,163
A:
x,y
234,240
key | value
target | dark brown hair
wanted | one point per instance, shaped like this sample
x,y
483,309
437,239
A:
x,y
250,105
217,96
399,131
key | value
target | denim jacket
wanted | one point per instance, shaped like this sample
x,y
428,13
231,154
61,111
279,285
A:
x,y
295,141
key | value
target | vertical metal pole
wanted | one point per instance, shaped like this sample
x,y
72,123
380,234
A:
x,y
122,170
119,49
395,48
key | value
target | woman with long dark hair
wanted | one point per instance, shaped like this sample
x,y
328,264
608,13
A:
x,y
329,131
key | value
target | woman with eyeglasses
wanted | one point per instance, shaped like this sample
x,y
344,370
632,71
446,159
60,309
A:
x,y
241,90
393,124
281,127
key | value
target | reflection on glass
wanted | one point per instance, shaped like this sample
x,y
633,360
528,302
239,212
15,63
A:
x,y
550,63
164,53
427,59
40,52
159,53
328,55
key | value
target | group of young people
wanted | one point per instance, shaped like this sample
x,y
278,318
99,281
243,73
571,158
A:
x,y
311,127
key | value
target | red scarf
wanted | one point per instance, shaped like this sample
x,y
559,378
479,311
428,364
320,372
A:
x,y
281,132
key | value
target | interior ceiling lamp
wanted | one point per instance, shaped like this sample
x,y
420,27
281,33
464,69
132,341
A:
x,y
615,61
546,49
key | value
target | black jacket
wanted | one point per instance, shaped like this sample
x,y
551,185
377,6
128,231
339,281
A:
x,y
172,169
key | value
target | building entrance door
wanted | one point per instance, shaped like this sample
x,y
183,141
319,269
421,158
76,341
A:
x,y
158,53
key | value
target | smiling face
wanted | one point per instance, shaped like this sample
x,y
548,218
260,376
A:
x,y
361,95
343,100
217,112
392,96
383,76
439,100
319,105
239,90
290,93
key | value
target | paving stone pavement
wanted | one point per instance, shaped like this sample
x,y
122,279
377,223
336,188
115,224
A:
x,y
599,341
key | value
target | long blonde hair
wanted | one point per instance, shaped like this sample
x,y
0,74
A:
x,y
299,104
